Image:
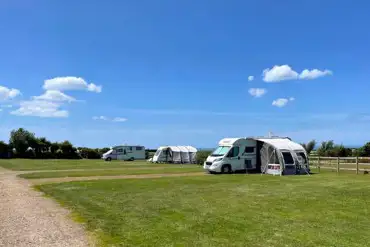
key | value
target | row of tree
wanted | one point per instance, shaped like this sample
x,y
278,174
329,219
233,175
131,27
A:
x,y
330,149
25,144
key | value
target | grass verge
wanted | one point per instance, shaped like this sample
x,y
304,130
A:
x,y
231,210
29,164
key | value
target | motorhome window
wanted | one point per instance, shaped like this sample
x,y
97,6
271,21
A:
x,y
139,148
120,150
288,158
303,155
220,151
249,150
234,152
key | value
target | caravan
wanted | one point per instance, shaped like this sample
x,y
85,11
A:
x,y
175,154
125,152
270,155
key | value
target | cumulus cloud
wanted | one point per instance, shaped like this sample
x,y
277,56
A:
x,y
250,78
281,102
6,106
40,108
119,119
54,95
313,74
285,72
8,93
70,83
279,73
257,92
104,118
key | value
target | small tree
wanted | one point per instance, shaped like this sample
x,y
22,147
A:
x,y
21,139
309,146
325,148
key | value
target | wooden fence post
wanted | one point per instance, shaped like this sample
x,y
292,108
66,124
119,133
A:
x,y
338,164
318,163
357,165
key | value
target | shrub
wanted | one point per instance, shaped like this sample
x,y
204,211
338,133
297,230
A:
x,y
202,156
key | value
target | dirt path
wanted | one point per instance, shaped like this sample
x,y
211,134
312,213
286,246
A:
x,y
69,179
29,219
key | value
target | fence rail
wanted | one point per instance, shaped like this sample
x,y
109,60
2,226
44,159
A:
x,y
340,163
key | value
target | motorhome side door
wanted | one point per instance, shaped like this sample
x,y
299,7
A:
x,y
234,158
121,154
249,157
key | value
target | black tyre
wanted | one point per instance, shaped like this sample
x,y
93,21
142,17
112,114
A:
x,y
226,169
132,159
108,159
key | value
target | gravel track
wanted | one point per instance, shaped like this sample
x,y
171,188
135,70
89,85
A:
x,y
29,219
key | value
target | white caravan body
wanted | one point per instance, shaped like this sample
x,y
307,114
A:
x,y
125,152
271,155
192,154
175,154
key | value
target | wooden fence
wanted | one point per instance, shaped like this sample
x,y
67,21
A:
x,y
338,164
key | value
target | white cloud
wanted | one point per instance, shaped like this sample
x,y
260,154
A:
x,y
279,73
6,106
40,108
54,95
313,74
291,98
250,78
119,119
257,92
285,72
70,83
281,102
8,93
104,118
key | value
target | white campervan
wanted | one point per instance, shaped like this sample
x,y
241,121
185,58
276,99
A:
x,y
232,154
270,155
125,152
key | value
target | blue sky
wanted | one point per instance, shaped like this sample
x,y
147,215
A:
x,y
101,73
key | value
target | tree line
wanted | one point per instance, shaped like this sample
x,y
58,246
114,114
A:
x,y
330,149
25,144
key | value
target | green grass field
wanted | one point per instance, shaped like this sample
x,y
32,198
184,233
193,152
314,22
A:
x,y
229,210
29,164
113,172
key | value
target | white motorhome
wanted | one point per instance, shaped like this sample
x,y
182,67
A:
x,y
125,152
270,155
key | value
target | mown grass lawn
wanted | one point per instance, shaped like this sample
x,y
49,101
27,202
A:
x,y
228,210
30,164
114,172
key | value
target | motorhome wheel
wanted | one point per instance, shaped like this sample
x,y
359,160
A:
x,y
132,159
226,169
108,159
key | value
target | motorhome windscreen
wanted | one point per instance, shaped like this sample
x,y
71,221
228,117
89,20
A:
x,y
221,151
157,153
